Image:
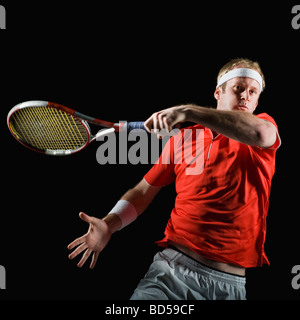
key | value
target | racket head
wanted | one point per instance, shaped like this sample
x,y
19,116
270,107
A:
x,y
48,128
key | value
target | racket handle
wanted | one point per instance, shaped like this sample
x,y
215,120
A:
x,y
135,125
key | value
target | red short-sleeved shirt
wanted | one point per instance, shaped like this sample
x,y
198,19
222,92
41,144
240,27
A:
x,y
223,190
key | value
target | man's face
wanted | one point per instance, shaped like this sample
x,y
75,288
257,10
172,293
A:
x,y
240,94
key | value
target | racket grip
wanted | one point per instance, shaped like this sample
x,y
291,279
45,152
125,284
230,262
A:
x,y
135,125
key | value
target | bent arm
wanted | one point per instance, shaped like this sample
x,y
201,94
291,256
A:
x,y
238,125
140,197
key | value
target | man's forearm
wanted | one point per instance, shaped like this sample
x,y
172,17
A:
x,y
140,197
238,125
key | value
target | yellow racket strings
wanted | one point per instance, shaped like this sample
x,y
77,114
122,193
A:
x,y
48,129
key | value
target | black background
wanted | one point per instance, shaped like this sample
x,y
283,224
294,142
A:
x,y
124,62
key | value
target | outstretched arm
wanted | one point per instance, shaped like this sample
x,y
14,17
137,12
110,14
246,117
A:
x,y
238,125
101,230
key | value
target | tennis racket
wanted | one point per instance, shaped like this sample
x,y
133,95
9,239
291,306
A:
x,y
53,129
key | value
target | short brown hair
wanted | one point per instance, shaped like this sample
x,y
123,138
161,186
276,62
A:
x,y
241,63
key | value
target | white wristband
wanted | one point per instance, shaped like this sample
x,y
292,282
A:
x,y
125,211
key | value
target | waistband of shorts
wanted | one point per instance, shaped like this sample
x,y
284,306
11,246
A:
x,y
198,267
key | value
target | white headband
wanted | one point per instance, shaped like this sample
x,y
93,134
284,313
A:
x,y
241,72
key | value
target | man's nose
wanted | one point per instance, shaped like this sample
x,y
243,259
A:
x,y
245,95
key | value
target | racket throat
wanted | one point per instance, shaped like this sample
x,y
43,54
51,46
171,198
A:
x,y
103,132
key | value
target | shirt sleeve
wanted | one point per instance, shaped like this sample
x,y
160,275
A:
x,y
268,118
265,157
162,172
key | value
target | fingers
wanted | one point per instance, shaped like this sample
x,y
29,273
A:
x,y
76,242
86,254
148,124
94,260
78,250
154,123
162,122
157,124
83,216
166,124
84,258
82,241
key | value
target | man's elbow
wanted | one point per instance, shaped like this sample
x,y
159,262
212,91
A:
x,y
266,135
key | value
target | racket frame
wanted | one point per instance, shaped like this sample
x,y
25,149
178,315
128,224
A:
x,y
84,119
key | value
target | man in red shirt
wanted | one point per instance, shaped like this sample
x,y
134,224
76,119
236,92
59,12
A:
x,y
217,227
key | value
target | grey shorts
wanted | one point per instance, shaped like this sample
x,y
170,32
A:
x,y
174,276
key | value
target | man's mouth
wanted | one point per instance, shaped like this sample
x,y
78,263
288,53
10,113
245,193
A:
x,y
242,107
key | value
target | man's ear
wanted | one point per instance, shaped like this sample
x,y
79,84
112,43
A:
x,y
218,93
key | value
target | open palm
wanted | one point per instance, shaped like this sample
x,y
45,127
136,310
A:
x,y
94,240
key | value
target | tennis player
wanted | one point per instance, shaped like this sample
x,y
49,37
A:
x,y
217,227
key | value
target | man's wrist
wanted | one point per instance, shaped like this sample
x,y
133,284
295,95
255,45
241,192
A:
x,y
125,211
113,222
192,112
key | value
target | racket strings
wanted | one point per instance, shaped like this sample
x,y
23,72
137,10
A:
x,y
48,129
